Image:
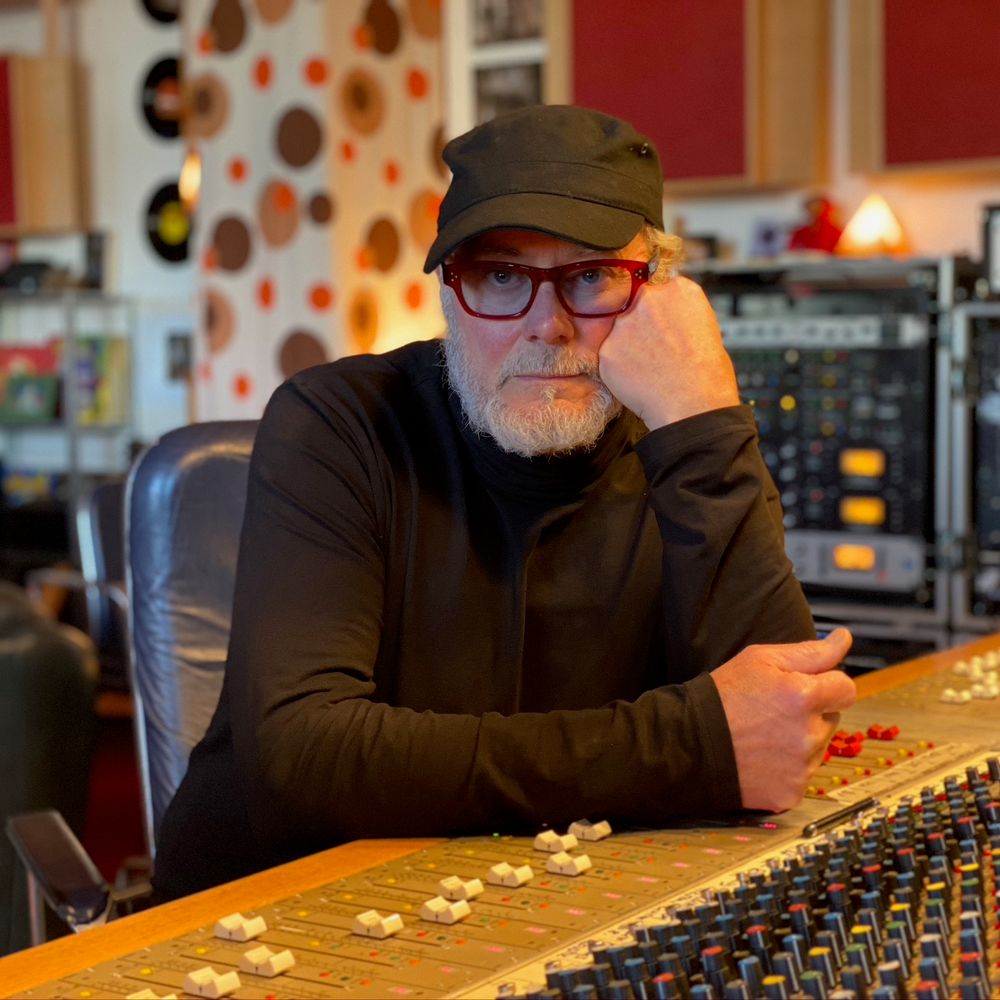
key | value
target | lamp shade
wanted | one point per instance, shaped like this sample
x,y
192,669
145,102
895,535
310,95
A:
x,y
872,230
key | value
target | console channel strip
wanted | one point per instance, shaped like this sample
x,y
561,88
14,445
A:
x,y
845,409
887,889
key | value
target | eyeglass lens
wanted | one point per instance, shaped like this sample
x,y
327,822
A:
x,y
492,291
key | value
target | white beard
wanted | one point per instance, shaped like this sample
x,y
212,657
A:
x,y
549,426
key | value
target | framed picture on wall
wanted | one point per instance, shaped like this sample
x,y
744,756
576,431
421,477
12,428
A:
x,y
501,55
506,88
506,20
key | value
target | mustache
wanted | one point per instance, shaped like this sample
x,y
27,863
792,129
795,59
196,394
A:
x,y
543,359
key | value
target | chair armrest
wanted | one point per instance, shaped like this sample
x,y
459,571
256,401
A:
x,y
52,855
72,579
55,576
115,590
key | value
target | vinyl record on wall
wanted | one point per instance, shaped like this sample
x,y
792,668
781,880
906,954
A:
x,y
168,224
164,11
161,98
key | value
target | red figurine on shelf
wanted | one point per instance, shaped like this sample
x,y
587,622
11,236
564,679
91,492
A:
x,y
822,230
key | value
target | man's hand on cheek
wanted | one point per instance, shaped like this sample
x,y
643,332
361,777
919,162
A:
x,y
664,358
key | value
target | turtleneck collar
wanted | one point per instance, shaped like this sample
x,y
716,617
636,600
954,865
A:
x,y
545,478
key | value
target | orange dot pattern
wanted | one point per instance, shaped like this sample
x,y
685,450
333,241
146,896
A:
x,y
320,297
414,295
417,84
242,385
320,132
316,72
239,170
263,72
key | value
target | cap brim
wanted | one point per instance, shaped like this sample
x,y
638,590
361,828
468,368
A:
x,y
602,227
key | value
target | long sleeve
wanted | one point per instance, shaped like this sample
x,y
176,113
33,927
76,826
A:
x,y
327,757
727,582
427,640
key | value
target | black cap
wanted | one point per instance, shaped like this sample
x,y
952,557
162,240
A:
x,y
571,172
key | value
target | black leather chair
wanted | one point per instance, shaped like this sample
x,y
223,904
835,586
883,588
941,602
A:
x,y
99,550
48,677
184,505
100,538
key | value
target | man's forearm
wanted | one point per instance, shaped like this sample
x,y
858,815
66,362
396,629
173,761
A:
x,y
360,769
726,579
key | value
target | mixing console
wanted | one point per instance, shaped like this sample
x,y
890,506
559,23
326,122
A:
x,y
883,886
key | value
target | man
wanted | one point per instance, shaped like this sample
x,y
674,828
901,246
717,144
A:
x,y
522,586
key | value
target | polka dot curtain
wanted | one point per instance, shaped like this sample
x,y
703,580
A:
x,y
319,127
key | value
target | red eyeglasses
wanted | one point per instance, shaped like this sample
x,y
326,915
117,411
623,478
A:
x,y
491,289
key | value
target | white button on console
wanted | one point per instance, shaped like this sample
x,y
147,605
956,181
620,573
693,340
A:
x,y
566,864
440,911
206,982
236,927
551,842
261,961
583,829
509,876
453,887
372,924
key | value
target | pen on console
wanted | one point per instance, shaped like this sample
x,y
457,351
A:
x,y
848,812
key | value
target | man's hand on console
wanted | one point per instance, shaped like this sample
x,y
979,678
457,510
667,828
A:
x,y
664,358
783,704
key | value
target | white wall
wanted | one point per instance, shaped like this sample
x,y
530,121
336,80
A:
x,y
940,215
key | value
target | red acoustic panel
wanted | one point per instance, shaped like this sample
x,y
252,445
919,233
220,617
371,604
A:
x,y
675,70
8,207
942,78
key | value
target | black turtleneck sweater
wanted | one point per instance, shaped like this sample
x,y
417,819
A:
x,y
431,636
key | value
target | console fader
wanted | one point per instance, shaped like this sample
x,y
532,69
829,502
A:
x,y
896,897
